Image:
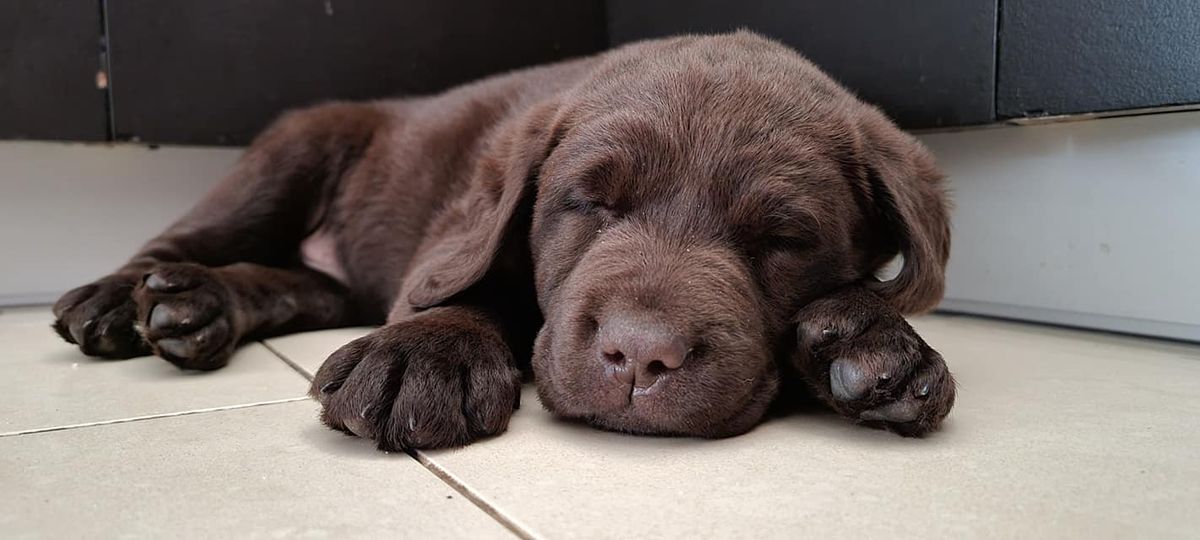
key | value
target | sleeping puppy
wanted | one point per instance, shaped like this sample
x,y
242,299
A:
x,y
664,234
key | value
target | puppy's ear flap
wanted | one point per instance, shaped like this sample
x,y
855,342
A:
x,y
906,190
462,242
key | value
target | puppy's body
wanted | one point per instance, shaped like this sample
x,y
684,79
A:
x,y
422,154
674,209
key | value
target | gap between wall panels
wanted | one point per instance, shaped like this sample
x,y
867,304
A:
x,y
999,6
106,71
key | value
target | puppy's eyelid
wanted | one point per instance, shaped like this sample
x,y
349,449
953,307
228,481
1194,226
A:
x,y
788,241
594,205
578,204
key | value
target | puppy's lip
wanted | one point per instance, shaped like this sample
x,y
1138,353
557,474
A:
x,y
654,388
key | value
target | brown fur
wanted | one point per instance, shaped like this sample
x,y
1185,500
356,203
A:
x,y
719,189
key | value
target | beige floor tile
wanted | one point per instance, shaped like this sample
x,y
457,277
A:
x,y
308,350
258,472
49,383
1056,434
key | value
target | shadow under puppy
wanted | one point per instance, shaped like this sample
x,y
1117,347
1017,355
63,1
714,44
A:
x,y
662,233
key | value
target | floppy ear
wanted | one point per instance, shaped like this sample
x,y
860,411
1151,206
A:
x,y
462,242
906,190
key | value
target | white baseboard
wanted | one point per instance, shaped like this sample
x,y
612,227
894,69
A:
x,y
70,213
1092,321
1093,224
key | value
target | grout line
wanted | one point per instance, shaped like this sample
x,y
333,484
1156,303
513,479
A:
x,y
495,513
435,469
303,372
151,417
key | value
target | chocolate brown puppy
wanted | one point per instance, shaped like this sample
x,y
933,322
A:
x,y
663,234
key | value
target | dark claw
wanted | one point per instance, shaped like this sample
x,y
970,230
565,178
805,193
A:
x,y
79,332
360,427
72,299
64,331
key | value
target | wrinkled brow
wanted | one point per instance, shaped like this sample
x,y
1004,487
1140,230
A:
x,y
777,208
615,158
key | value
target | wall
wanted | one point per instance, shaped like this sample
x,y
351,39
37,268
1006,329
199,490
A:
x,y
1092,223
70,213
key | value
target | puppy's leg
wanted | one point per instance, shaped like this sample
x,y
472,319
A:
x,y
442,377
260,213
863,359
194,316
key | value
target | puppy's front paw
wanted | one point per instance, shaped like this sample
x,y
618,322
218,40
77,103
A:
x,y
186,314
865,361
440,379
99,318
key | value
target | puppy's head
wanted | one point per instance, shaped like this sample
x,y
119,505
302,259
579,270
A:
x,y
687,200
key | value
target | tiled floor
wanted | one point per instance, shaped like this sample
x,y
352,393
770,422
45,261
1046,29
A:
x,y
1057,433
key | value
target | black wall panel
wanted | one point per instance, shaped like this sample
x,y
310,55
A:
x,y
1059,57
49,57
926,62
217,71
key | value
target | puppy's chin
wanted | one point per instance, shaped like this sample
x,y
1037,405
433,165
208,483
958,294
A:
x,y
645,419
678,405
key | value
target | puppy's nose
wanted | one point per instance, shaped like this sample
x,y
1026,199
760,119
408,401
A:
x,y
638,350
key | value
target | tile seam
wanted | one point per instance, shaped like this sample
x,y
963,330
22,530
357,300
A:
x,y
295,367
446,476
149,417
436,470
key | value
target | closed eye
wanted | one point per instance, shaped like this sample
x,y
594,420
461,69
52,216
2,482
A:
x,y
787,242
590,206
579,204
787,226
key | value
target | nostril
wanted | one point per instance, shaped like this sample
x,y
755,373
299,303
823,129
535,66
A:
x,y
615,357
640,348
656,368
